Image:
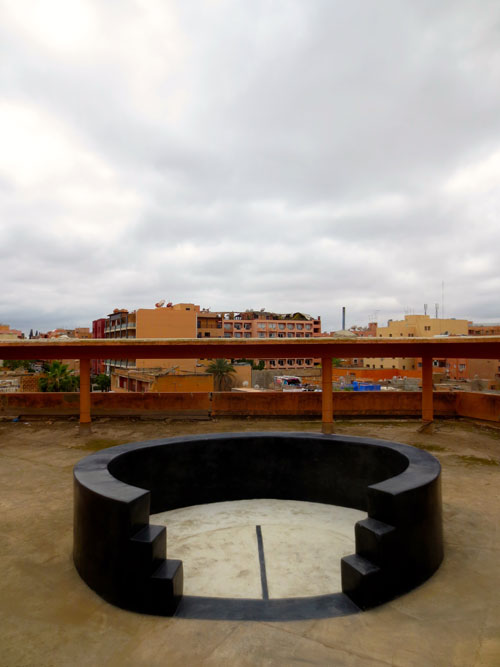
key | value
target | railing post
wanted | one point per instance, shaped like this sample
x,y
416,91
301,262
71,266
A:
x,y
85,391
326,395
427,398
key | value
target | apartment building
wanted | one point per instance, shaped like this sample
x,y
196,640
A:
x,y
187,320
262,324
417,326
172,321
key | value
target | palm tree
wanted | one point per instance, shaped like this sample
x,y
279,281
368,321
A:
x,y
59,378
222,371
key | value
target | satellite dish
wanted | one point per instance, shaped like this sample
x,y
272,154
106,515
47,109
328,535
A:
x,y
160,303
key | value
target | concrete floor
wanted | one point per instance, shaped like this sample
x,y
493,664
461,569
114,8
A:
x,y
48,616
302,547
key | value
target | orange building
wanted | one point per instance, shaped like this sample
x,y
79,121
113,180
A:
x,y
158,381
173,321
470,369
187,320
262,324
6,333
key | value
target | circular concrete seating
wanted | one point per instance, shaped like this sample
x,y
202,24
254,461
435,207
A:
x,y
124,558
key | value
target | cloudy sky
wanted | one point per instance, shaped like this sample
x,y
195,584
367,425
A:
x,y
279,154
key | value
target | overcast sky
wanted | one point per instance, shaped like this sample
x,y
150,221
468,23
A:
x,y
279,154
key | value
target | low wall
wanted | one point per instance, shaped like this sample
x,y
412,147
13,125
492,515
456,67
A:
x,y
255,404
107,404
478,406
345,403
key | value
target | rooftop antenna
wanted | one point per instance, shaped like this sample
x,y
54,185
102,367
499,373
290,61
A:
x,y
442,299
160,303
437,310
425,309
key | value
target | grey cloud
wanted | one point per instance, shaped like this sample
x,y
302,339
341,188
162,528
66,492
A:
x,y
303,169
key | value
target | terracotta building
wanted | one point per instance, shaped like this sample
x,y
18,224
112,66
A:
x,y
187,320
470,369
97,365
172,321
6,333
262,324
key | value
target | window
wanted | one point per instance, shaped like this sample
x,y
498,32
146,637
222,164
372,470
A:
x,y
272,335
290,362
237,325
272,363
308,327
281,362
300,362
271,326
281,335
281,326
261,325
248,327
237,335
290,335
299,327
227,326
290,327
261,334
308,362
247,335
427,328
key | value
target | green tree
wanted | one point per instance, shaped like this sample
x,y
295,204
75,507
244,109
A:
x,y
336,363
223,373
102,381
59,378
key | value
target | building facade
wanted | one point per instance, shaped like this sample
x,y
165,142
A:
x,y
263,324
417,326
172,321
187,320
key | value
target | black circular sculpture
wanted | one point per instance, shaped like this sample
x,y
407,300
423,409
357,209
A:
x,y
123,558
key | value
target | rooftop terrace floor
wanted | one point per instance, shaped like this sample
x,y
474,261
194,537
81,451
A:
x,y
48,616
